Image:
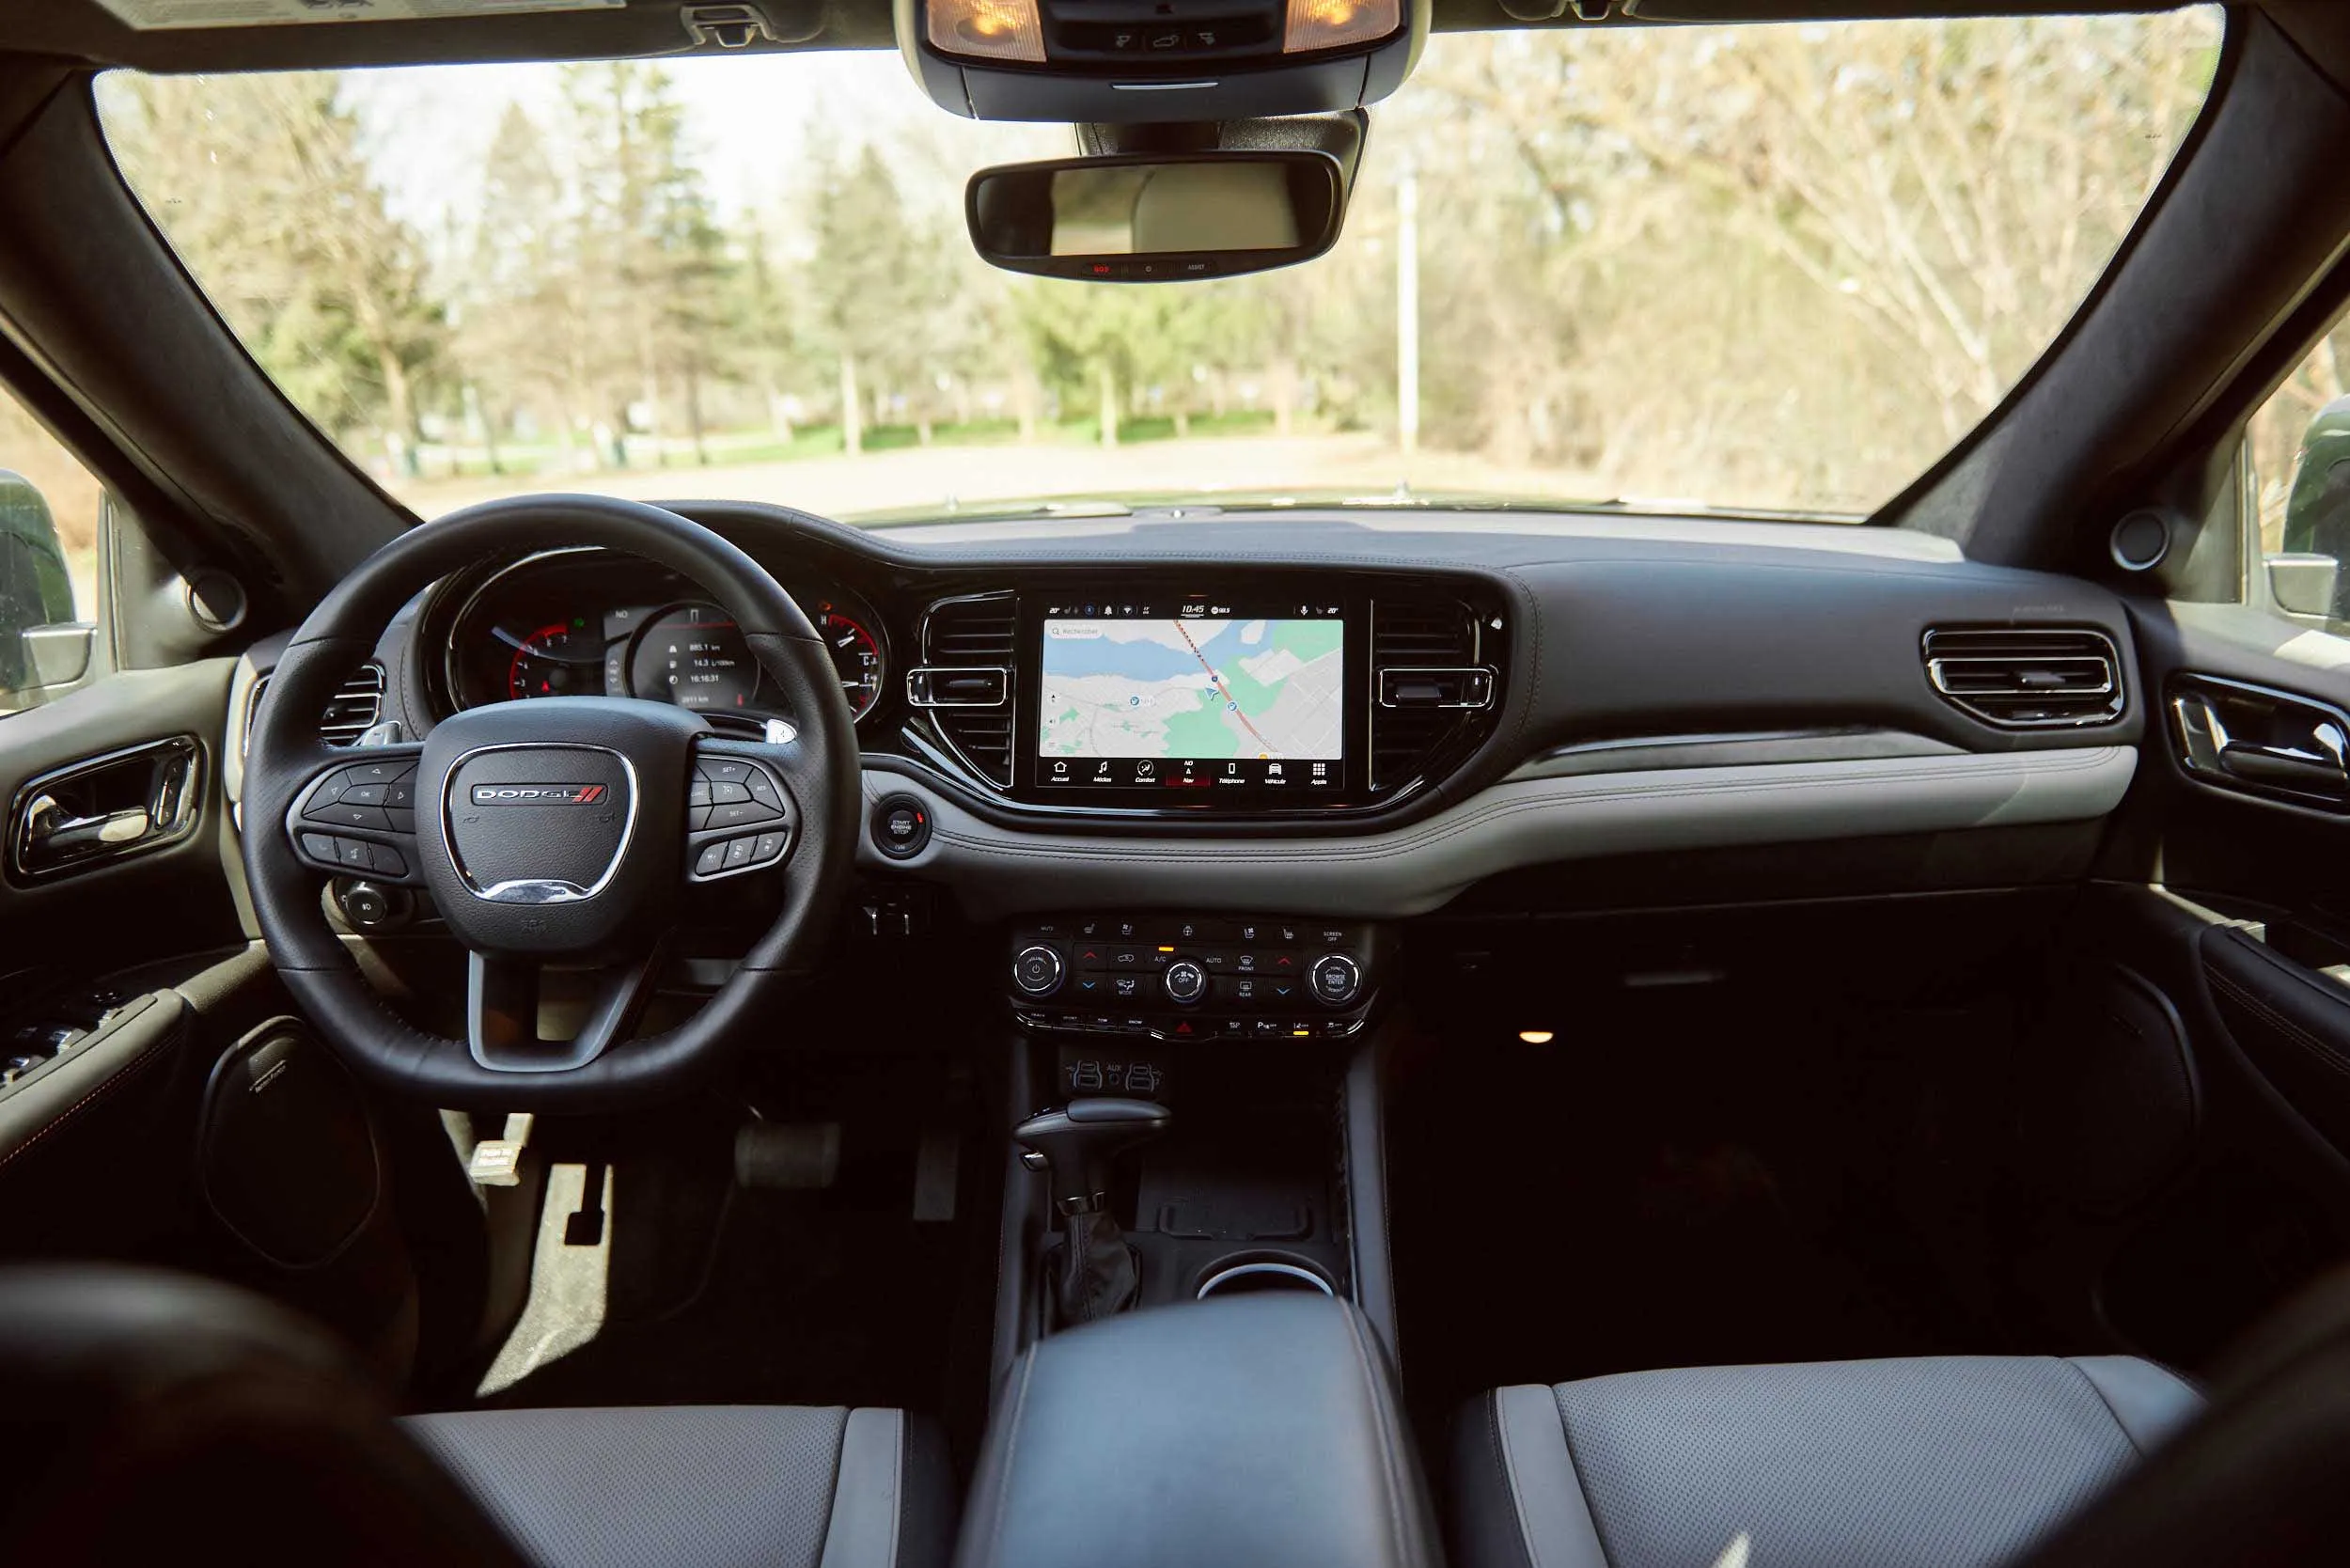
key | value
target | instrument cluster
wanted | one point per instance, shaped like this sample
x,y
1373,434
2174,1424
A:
x,y
589,623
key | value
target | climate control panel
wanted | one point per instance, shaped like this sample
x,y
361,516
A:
x,y
1188,976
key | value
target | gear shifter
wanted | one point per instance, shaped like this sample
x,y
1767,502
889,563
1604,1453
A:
x,y
1075,1147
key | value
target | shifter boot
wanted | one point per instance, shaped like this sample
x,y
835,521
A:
x,y
1099,1274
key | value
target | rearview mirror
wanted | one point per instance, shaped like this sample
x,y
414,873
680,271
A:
x,y
1157,217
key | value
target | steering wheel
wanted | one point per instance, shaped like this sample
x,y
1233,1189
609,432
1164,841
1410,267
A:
x,y
557,830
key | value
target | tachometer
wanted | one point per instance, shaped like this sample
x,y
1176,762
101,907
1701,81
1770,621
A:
x,y
855,653
565,659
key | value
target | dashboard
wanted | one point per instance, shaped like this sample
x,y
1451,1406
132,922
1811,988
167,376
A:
x,y
1358,713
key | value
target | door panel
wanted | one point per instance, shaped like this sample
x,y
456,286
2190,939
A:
x,y
117,888
2226,884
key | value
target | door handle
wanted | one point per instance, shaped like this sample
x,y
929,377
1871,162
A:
x,y
2260,741
102,808
2288,767
51,835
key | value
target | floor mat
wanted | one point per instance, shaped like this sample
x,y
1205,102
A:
x,y
1672,1188
717,1293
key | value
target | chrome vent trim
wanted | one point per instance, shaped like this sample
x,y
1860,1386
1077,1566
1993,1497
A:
x,y
356,707
1417,633
979,631
2026,678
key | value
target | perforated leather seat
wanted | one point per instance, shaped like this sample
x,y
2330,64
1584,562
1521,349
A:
x,y
1945,1462
723,1486
155,1414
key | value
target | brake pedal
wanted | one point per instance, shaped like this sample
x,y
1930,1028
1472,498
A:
x,y
803,1156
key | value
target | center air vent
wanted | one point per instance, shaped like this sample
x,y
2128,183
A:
x,y
2028,678
1432,690
964,681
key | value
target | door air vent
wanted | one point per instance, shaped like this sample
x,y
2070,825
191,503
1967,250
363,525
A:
x,y
1432,687
2029,678
356,707
965,679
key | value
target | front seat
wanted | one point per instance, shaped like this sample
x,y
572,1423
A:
x,y
146,1415
1943,1461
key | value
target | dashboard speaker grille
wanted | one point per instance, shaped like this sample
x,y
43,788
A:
x,y
2026,678
977,633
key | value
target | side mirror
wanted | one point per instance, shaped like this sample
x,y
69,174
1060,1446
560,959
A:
x,y
36,593
2317,519
1157,217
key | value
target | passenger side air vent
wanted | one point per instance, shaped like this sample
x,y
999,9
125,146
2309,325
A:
x,y
964,681
356,707
2028,678
1432,688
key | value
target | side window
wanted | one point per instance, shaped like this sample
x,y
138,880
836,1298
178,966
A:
x,y
2298,447
50,507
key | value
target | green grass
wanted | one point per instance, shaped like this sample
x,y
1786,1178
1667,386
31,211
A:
x,y
759,445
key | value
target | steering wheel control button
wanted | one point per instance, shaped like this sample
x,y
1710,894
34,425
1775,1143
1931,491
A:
x,y
1337,979
768,848
714,857
740,813
1037,971
729,794
698,792
724,770
1186,981
739,851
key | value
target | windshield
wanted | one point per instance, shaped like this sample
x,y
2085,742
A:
x,y
1759,270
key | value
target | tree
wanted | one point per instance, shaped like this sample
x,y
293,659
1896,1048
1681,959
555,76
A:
x,y
277,208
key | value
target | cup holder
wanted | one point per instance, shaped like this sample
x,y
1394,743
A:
x,y
1256,1274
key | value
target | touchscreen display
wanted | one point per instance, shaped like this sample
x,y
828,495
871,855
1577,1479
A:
x,y
1205,697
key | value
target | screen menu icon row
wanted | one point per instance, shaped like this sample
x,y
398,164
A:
x,y
1179,774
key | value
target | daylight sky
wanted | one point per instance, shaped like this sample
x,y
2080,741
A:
x,y
430,125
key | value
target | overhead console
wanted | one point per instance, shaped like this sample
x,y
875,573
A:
x,y
1158,61
1159,696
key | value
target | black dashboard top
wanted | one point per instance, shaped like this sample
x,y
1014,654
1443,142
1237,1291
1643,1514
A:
x,y
1590,628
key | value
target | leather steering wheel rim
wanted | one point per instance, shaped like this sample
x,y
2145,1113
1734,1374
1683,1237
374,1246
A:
x,y
286,756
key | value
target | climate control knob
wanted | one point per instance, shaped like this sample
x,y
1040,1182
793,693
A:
x,y
1186,981
1037,971
1335,978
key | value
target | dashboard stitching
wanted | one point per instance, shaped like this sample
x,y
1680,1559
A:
x,y
1500,810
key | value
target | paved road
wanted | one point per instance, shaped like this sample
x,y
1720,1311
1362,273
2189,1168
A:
x,y
945,476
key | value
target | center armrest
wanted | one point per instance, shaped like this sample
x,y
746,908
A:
x,y
1260,1431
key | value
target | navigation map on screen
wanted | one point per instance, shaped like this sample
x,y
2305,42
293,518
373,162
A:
x,y
1202,690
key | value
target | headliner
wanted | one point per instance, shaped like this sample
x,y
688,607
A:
x,y
84,32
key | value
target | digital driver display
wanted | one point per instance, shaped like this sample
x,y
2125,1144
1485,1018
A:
x,y
1195,695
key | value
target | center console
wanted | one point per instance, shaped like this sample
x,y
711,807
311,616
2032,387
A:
x,y
1107,989
1274,1436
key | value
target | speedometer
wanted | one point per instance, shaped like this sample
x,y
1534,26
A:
x,y
855,653
563,659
